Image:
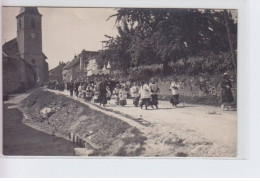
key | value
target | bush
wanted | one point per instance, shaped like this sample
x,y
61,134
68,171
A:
x,y
210,64
144,72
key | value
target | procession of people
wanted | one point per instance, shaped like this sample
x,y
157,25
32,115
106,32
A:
x,y
143,94
102,90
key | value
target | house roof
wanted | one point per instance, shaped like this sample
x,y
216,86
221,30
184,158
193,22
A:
x,y
72,63
57,69
29,10
75,61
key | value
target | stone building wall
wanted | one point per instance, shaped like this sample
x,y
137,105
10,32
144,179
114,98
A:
x,y
11,76
18,75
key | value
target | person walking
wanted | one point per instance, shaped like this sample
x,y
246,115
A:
x,y
122,96
108,94
89,92
144,95
76,87
80,89
96,93
102,93
135,94
154,89
71,88
116,93
174,88
226,93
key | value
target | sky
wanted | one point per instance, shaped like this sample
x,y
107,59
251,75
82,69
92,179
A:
x,y
65,31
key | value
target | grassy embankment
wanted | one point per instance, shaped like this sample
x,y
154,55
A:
x,y
60,115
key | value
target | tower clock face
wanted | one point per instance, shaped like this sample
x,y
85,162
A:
x,y
32,35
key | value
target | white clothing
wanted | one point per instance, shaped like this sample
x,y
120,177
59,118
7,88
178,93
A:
x,y
134,91
174,88
144,92
122,95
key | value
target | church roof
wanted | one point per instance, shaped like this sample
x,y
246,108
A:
x,y
29,10
10,48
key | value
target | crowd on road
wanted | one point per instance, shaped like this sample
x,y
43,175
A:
x,y
144,94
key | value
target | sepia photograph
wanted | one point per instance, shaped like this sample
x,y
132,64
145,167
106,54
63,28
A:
x,y
119,82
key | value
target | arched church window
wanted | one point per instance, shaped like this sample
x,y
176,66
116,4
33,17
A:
x,y
33,23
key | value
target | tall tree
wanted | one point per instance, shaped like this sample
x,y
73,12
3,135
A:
x,y
149,36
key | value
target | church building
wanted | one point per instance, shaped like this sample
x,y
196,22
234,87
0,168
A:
x,y
28,46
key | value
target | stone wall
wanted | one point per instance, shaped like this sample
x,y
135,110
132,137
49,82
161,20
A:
x,y
11,76
18,75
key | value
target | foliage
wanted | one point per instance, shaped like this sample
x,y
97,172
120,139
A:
x,y
194,65
159,36
210,64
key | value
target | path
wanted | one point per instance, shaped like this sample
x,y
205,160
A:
x,y
192,124
22,140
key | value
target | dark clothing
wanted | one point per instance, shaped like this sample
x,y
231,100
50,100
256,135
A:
x,y
76,88
102,98
70,88
154,100
226,93
175,100
145,101
136,101
71,92
122,102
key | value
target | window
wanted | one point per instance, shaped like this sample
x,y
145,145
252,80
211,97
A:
x,y
32,23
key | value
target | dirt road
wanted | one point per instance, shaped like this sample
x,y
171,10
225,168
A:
x,y
22,140
194,130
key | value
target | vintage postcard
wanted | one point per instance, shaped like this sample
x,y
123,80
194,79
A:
x,y
119,82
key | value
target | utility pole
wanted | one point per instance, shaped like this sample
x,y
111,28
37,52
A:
x,y
229,39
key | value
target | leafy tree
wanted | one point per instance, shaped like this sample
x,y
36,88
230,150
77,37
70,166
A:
x,y
148,36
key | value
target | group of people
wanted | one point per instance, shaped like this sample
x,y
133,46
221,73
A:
x,y
55,85
144,94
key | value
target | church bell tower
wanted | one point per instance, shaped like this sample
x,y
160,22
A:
x,y
29,39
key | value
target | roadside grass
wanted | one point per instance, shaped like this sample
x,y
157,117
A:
x,y
72,116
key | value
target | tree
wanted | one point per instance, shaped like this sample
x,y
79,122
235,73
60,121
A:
x,y
148,36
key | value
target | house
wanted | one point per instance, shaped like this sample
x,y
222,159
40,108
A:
x,y
77,67
55,74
